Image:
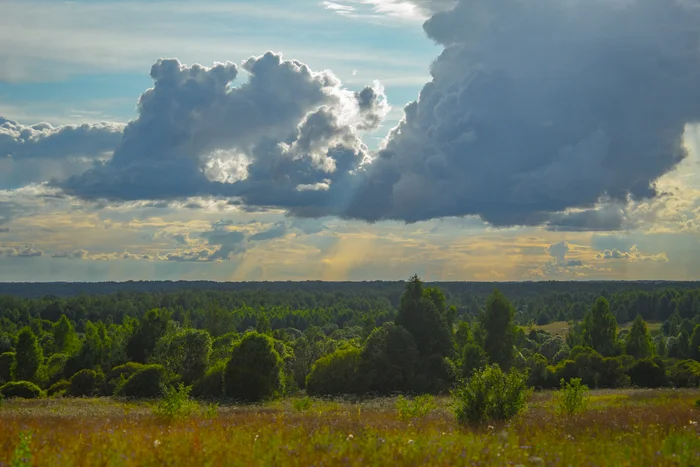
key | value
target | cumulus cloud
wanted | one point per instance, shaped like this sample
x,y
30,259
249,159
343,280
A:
x,y
538,107
632,255
538,113
197,134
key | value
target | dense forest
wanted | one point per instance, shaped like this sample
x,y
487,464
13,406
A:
x,y
253,341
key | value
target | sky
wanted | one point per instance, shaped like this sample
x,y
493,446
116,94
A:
x,y
462,140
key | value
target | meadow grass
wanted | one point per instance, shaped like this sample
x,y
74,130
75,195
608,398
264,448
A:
x,y
561,328
620,428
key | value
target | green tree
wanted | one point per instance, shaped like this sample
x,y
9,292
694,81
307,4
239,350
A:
x,y
499,330
7,361
149,331
254,372
65,339
388,361
638,342
28,356
185,352
600,328
263,325
420,317
695,343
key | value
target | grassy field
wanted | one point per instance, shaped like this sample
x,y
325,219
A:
x,y
621,428
561,328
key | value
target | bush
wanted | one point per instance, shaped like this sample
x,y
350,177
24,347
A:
x,y
119,374
685,374
492,395
573,397
302,405
254,371
211,385
334,374
85,383
593,369
58,389
146,383
648,373
539,373
175,403
23,389
414,409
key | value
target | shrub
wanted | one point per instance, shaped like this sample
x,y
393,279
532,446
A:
x,y
414,409
58,389
685,374
211,385
573,397
334,374
254,371
648,373
85,383
492,394
302,405
23,389
175,403
146,383
539,374
697,403
119,374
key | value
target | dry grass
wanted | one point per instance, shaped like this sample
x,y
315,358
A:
x,y
622,428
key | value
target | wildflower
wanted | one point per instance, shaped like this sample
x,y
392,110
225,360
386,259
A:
x,y
692,422
410,441
489,428
350,436
156,443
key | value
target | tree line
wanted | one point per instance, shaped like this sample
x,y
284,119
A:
x,y
338,342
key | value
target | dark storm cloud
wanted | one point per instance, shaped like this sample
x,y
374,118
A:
x,y
609,217
540,106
